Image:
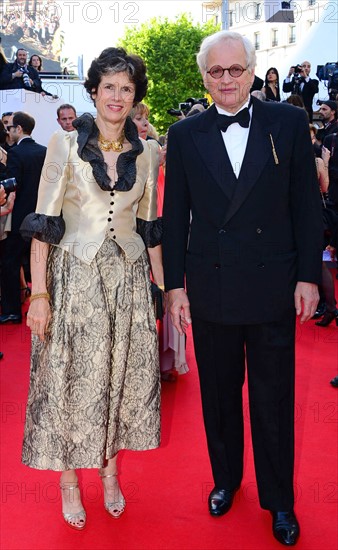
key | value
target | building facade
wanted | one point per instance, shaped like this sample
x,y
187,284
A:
x,y
274,42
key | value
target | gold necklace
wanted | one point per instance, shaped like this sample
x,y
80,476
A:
x,y
106,145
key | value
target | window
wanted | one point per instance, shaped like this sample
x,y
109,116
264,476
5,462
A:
x,y
257,40
231,18
274,38
258,9
311,2
292,34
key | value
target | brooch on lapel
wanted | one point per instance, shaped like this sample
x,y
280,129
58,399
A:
x,y
274,150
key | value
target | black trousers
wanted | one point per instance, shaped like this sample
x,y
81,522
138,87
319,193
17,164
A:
x,y
268,348
13,251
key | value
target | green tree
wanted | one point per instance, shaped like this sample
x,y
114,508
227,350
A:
x,y
169,50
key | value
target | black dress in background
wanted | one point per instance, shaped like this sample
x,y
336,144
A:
x,y
270,95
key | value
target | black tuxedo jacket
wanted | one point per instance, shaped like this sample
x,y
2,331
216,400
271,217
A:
x,y
242,244
24,162
331,128
307,93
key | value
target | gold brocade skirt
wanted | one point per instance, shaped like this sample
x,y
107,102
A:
x,y
95,381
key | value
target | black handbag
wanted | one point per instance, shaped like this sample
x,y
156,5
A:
x,y
330,216
157,296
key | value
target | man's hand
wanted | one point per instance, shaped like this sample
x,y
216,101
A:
x,y
179,309
17,74
306,300
291,71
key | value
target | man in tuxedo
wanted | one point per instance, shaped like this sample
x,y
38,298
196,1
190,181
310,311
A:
x,y
24,163
20,75
301,84
242,224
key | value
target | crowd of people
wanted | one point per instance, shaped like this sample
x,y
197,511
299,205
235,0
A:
x,y
89,210
36,25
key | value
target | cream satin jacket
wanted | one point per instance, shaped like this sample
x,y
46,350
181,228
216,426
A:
x,y
68,186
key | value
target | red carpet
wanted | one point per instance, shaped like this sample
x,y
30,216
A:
x,y
166,489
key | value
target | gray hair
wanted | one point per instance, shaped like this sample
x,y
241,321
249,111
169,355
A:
x,y
224,36
121,67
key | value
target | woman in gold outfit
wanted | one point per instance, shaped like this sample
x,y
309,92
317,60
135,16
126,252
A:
x,y
94,386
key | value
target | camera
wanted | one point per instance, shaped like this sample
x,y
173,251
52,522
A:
x,y
298,69
186,106
25,78
9,185
329,74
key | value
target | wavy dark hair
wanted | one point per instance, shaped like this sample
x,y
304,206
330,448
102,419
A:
x,y
266,82
40,60
116,60
3,133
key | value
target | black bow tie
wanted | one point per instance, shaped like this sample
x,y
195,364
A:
x,y
243,119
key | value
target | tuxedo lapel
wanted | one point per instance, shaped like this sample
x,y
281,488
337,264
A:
x,y
258,151
208,140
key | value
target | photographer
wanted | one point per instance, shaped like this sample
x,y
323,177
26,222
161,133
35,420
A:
x,y
190,104
20,75
299,82
24,163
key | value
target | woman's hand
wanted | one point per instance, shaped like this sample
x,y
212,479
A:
x,y
325,155
38,317
163,154
165,302
2,195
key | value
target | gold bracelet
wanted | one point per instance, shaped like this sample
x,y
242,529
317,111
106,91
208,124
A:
x,y
161,287
40,295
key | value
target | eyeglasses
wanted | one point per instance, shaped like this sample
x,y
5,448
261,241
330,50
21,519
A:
x,y
12,126
7,114
235,71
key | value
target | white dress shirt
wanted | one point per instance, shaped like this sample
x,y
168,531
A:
x,y
306,79
235,139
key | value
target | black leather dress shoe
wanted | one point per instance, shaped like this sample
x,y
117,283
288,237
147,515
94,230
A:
x,y
285,527
321,308
10,318
220,501
334,382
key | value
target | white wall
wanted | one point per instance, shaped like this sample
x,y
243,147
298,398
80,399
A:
x,y
43,108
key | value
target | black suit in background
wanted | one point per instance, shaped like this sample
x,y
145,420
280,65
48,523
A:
x,y
258,84
246,245
331,143
24,162
328,129
307,91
